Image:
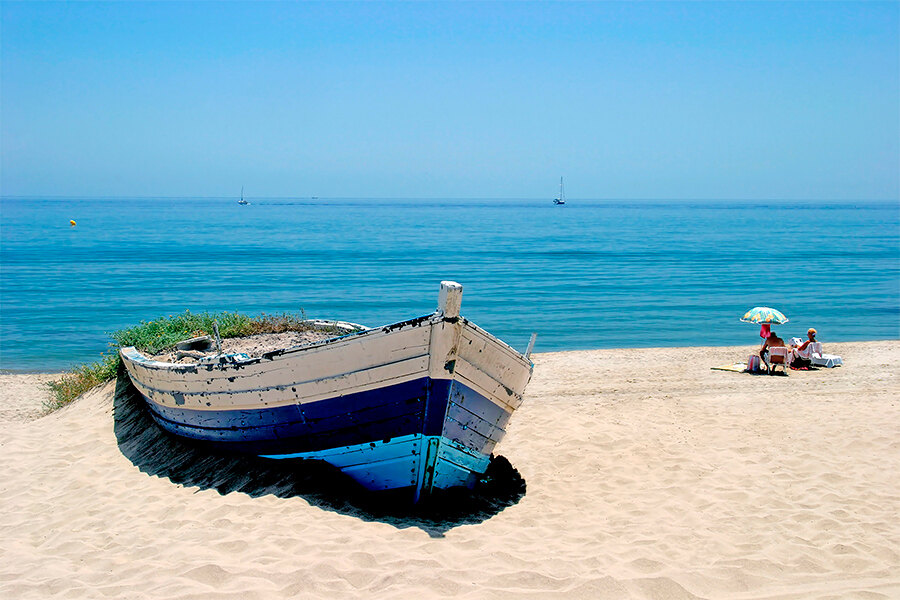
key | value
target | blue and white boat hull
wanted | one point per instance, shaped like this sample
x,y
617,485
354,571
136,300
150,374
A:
x,y
419,404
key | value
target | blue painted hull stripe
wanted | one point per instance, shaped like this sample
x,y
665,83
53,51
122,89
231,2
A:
x,y
308,412
414,407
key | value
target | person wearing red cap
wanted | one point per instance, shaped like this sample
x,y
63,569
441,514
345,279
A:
x,y
811,334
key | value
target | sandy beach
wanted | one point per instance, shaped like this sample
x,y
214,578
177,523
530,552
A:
x,y
648,475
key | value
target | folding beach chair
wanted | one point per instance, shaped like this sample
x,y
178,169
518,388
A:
x,y
819,359
777,356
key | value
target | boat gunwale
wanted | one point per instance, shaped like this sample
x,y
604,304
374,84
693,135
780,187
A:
x,y
136,356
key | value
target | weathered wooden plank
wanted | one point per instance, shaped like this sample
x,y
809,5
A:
x,y
494,358
467,421
297,393
486,385
357,353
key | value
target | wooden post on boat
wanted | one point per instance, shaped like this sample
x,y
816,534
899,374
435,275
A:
x,y
450,299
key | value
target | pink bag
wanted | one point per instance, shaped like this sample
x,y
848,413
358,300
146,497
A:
x,y
753,363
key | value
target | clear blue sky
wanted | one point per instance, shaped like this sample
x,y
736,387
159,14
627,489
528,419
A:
x,y
626,100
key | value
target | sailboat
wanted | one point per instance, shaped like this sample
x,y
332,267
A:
x,y
562,194
242,201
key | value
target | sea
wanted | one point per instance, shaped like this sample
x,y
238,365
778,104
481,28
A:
x,y
589,274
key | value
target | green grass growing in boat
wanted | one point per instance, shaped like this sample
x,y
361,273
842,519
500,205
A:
x,y
162,334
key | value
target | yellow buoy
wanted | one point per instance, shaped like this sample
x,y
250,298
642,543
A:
x,y
72,223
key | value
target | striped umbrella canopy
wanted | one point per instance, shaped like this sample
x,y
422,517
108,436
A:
x,y
764,314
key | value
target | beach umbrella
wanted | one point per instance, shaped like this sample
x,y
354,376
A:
x,y
765,316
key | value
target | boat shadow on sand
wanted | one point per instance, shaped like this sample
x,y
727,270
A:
x,y
159,453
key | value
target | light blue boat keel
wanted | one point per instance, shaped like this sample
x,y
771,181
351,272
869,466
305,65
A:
x,y
420,462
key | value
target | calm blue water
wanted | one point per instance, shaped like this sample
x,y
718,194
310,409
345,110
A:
x,y
586,275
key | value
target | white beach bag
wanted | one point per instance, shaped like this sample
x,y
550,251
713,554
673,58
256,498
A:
x,y
753,363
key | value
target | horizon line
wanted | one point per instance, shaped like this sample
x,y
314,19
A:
x,y
431,198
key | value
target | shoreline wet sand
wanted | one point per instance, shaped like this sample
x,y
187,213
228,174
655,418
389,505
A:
x,y
646,475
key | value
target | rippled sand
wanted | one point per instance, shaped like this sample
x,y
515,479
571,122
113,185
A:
x,y
648,476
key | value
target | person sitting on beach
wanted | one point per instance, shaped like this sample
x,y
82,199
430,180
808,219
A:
x,y
802,348
771,341
800,353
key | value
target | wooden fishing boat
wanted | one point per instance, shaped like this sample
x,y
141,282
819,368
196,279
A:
x,y
418,404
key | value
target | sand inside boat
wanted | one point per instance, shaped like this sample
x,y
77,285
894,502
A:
x,y
190,351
